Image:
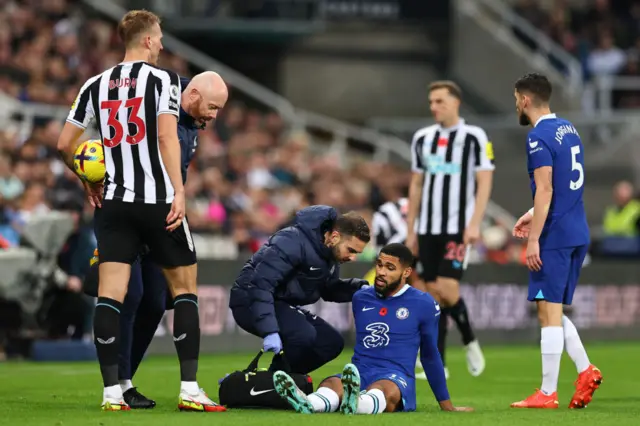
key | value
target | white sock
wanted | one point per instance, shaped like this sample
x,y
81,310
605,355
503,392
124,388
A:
x,y
573,345
114,392
125,385
324,400
551,346
191,388
372,402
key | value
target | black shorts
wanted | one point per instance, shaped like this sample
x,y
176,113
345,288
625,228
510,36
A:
x,y
123,229
441,256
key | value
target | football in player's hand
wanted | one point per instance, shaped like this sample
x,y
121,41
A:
x,y
88,161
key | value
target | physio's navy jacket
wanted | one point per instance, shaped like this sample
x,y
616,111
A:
x,y
293,266
188,135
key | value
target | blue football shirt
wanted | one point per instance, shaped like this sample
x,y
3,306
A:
x,y
555,142
390,331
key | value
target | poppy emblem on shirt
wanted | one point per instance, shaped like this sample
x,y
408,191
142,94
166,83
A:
x,y
383,312
443,141
402,313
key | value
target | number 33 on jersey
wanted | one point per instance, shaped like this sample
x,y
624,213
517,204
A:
x,y
555,142
127,101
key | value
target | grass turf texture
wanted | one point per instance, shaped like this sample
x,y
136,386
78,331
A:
x,y
66,394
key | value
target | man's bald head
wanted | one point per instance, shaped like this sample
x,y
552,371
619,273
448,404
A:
x,y
204,96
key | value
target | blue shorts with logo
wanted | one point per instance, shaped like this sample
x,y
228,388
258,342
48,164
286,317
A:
x,y
407,385
557,280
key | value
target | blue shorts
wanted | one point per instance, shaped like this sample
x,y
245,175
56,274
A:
x,y
557,280
406,385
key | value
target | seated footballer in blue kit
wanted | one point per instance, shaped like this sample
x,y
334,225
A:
x,y
393,321
147,298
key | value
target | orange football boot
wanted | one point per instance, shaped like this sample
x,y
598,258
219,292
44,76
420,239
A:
x,y
586,384
538,400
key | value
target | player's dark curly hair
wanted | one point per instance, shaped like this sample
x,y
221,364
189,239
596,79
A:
x,y
400,251
535,84
353,225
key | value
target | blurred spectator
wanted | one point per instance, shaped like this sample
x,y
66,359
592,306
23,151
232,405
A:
x,y
251,172
10,185
606,59
622,219
603,34
621,225
67,306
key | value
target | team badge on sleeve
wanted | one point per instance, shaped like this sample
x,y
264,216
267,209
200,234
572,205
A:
x,y
173,91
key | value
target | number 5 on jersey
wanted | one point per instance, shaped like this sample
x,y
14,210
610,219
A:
x,y
575,165
112,107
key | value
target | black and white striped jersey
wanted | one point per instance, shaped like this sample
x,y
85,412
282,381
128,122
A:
x,y
449,159
390,223
126,101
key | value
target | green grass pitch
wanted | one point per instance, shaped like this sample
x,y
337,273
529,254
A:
x,y
66,394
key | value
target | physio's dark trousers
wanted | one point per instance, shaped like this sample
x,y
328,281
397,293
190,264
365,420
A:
x,y
308,341
142,311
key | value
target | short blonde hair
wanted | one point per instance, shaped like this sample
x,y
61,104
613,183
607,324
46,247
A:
x,y
451,86
135,23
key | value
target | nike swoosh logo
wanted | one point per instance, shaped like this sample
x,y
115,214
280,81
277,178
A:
x,y
253,392
367,309
314,269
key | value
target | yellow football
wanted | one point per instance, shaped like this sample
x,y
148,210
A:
x,y
88,161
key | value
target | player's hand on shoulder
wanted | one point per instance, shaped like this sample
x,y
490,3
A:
x,y
361,283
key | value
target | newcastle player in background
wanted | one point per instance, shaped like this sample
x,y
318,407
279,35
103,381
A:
x,y
147,298
452,164
557,239
137,106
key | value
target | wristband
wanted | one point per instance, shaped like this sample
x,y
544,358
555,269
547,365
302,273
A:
x,y
530,211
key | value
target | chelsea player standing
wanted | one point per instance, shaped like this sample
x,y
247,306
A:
x,y
393,320
558,239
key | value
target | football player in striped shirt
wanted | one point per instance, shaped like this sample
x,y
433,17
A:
x,y
147,297
452,163
137,107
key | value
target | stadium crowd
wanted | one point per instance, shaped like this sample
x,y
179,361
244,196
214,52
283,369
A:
x,y
603,34
251,173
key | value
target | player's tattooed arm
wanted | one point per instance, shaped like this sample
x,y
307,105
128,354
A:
x,y
543,177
